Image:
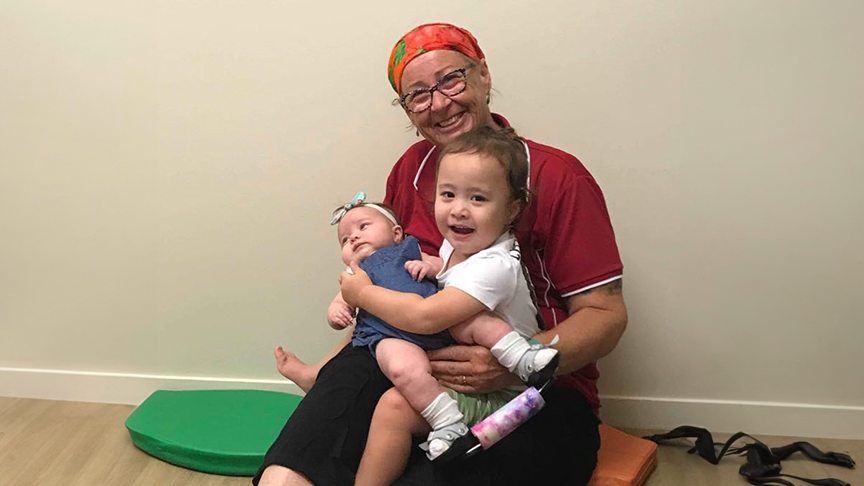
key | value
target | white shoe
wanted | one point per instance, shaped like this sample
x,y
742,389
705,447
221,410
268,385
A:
x,y
533,374
439,441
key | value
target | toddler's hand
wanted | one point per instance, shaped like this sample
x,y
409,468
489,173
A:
x,y
418,269
340,315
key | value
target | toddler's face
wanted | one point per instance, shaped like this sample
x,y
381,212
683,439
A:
x,y
364,230
473,206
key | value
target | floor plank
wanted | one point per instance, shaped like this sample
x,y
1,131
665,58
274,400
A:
x,y
53,443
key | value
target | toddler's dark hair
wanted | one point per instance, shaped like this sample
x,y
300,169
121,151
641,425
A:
x,y
502,145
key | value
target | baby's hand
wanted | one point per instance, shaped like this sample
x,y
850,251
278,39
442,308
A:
x,y
418,269
340,315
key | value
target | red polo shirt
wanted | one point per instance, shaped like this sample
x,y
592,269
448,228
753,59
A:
x,y
565,233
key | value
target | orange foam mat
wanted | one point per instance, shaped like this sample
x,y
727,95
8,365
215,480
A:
x,y
623,460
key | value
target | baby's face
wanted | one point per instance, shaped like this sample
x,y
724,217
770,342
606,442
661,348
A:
x,y
362,231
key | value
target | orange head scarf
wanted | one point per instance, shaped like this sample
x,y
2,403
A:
x,y
425,38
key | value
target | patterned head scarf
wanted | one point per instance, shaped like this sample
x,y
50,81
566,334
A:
x,y
425,38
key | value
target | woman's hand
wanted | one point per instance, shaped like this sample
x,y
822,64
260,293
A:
x,y
353,285
469,369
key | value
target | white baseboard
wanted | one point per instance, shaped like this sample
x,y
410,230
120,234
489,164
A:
x,y
122,388
755,418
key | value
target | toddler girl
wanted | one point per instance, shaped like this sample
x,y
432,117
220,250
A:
x,y
481,191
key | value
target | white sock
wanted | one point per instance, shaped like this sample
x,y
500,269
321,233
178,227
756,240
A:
x,y
510,349
443,411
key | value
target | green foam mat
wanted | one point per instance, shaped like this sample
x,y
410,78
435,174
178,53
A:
x,y
216,431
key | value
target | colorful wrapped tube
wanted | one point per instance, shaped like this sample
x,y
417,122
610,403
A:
x,y
508,418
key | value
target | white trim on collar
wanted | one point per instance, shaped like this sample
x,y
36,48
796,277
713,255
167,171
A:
x,y
422,164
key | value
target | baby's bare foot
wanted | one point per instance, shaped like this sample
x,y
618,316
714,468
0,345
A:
x,y
290,366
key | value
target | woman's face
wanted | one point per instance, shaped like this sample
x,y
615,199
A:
x,y
447,118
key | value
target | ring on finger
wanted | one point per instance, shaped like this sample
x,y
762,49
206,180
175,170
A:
x,y
464,380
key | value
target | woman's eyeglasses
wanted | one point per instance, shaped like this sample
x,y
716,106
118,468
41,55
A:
x,y
451,84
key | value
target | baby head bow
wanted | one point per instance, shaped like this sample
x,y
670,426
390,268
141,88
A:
x,y
343,210
360,201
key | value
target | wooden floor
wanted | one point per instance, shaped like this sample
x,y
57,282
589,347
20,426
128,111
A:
x,y
49,443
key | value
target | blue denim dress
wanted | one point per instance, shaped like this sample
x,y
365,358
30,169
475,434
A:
x,y
386,268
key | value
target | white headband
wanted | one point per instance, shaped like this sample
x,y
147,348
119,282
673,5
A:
x,y
357,202
381,210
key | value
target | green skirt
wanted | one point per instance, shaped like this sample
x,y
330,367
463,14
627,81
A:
x,y
477,406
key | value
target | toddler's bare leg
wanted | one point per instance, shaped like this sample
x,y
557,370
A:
x,y
485,332
389,444
302,374
513,351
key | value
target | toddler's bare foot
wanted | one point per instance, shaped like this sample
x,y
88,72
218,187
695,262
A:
x,y
290,366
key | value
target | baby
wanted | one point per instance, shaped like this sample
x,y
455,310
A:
x,y
371,237
363,229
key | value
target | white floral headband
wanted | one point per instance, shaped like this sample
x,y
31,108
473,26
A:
x,y
358,201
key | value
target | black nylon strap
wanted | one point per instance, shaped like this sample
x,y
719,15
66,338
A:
x,y
759,464
763,463
705,445
811,451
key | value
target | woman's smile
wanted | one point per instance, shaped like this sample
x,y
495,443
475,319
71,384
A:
x,y
450,121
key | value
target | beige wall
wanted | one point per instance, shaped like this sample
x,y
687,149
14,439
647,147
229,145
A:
x,y
167,171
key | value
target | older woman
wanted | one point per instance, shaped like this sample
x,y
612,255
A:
x,y
443,82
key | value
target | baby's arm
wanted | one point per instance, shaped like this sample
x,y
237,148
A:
x,y
339,315
407,311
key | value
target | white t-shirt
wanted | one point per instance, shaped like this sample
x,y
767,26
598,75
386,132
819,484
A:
x,y
494,276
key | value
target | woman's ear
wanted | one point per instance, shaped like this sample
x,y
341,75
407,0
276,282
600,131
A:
x,y
398,234
485,75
